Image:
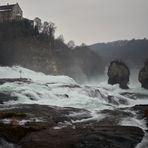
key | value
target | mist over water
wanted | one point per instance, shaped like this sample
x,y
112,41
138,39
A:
x,y
103,78
63,91
134,82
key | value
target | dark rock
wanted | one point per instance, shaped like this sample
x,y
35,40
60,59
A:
x,y
14,133
85,137
143,75
49,117
11,80
134,95
118,73
52,115
114,117
140,108
113,100
6,97
142,111
4,115
77,135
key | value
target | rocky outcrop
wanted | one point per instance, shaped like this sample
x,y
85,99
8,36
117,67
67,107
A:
x,y
84,137
142,112
55,129
143,75
118,73
6,97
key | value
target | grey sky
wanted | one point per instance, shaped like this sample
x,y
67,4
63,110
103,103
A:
x,y
91,21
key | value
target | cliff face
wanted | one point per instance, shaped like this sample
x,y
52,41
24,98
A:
x,y
20,44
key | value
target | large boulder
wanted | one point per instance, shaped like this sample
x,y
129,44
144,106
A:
x,y
118,73
84,137
56,127
143,75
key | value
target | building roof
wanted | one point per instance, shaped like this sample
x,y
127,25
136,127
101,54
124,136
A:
x,y
6,7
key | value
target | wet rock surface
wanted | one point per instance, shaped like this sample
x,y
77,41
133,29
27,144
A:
x,y
56,128
142,112
84,137
143,75
49,114
134,95
118,73
6,97
44,126
114,117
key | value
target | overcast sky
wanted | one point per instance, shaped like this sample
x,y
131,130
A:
x,y
91,21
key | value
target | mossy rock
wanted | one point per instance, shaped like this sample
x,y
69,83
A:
x,y
15,133
36,125
4,115
12,133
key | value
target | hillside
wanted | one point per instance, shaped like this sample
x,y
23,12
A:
x,y
22,44
133,52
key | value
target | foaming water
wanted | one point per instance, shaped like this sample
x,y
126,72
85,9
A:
x,y
63,91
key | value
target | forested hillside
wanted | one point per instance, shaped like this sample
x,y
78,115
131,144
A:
x,y
133,52
22,43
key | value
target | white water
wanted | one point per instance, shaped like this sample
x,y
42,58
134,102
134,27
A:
x,y
63,91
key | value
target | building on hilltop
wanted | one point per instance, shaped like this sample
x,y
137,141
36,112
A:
x,y
10,13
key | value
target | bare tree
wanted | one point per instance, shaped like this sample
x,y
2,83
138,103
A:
x,y
61,38
45,28
49,30
38,23
71,44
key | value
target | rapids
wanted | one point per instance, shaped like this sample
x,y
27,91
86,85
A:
x,y
63,91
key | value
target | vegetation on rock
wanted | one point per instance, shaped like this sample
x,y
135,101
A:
x,y
22,43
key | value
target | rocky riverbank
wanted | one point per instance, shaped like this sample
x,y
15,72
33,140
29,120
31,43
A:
x,y
42,111
51,127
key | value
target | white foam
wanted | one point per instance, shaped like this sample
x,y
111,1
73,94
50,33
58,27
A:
x,y
54,91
